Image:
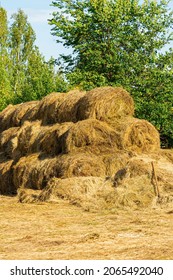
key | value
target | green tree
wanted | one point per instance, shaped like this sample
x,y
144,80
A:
x,y
5,88
120,42
21,43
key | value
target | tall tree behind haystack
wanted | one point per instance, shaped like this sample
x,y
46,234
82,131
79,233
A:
x,y
121,42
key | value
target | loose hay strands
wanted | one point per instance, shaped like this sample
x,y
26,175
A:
x,y
137,136
106,104
95,193
33,171
91,135
6,177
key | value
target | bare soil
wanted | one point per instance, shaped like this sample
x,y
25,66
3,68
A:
x,y
50,231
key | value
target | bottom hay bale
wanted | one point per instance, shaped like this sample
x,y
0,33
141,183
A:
x,y
35,170
6,177
95,193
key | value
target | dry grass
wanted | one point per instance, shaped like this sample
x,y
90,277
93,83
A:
x,y
89,135
136,135
106,104
57,231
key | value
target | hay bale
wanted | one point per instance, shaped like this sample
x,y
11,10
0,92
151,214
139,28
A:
x,y
24,138
31,114
47,109
89,135
6,117
6,177
137,136
67,111
48,139
12,116
6,137
34,171
80,164
21,110
33,138
106,104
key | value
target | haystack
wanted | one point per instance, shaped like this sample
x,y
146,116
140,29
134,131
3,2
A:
x,y
137,136
6,177
89,135
106,104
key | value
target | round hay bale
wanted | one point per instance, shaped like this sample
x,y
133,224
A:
x,y
48,106
31,114
137,136
20,112
6,177
48,139
34,171
22,143
80,164
5,140
90,135
106,104
6,117
67,111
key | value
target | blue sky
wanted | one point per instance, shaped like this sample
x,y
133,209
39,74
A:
x,y
38,11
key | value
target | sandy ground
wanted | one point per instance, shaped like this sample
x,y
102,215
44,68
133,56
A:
x,y
50,231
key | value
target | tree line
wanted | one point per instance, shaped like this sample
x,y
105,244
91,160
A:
x,y
24,73
114,42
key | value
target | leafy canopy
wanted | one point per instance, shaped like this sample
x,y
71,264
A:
x,y
121,42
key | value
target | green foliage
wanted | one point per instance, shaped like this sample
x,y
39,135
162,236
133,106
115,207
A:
x,y
24,73
120,42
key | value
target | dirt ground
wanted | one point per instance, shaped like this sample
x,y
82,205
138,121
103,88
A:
x,y
51,231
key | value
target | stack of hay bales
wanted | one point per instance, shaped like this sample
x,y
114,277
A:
x,y
70,135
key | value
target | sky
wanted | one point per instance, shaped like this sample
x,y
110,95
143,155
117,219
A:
x,y
38,12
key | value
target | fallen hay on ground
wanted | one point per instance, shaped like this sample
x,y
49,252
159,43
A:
x,y
95,193
90,135
137,136
105,104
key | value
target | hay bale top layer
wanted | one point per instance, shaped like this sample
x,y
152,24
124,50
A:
x,y
106,104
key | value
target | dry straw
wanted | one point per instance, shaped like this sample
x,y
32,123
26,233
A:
x,y
13,115
137,135
89,135
106,104
6,177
